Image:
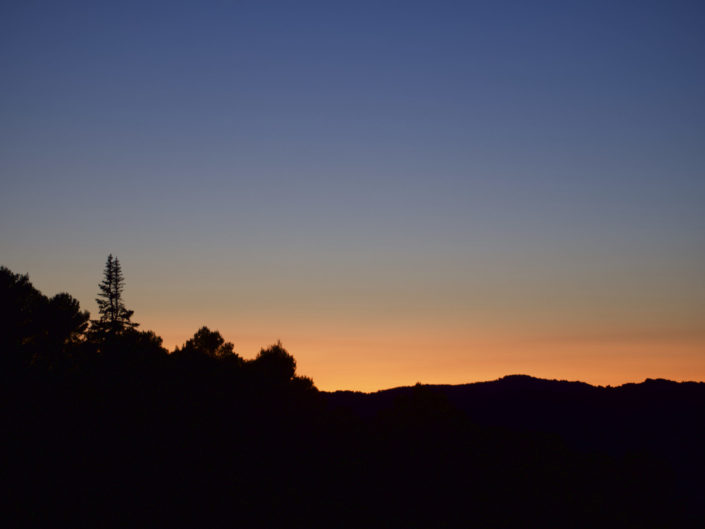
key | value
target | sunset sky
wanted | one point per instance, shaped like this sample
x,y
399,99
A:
x,y
440,192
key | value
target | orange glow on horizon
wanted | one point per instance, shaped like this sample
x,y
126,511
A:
x,y
371,360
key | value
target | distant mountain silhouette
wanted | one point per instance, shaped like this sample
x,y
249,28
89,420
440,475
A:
x,y
651,414
658,419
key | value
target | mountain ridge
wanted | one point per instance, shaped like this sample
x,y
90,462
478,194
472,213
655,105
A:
x,y
519,377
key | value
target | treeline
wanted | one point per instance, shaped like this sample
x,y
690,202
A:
x,y
103,427
55,335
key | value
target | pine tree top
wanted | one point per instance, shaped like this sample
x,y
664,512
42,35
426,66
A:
x,y
114,316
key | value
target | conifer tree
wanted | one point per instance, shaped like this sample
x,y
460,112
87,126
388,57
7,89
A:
x,y
114,317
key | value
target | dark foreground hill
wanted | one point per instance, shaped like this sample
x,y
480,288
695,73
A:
x,y
102,427
193,442
659,422
658,416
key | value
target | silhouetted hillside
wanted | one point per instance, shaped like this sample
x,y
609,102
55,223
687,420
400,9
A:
x,y
102,427
659,420
650,415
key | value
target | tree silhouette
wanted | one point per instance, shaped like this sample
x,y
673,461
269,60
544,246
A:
x,y
114,317
275,364
35,327
68,322
208,343
18,309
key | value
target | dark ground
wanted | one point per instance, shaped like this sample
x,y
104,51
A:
x,y
101,427
196,443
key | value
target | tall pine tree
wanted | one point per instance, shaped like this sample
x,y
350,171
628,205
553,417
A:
x,y
114,317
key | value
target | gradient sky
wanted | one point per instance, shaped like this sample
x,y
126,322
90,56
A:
x,y
399,191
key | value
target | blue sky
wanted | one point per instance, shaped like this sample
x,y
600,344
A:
x,y
544,157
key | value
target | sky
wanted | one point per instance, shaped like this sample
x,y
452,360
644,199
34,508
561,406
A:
x,y
400,192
